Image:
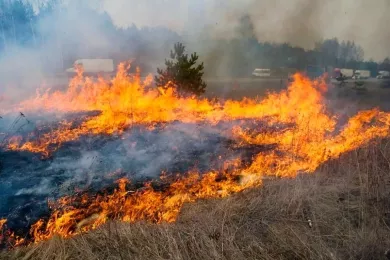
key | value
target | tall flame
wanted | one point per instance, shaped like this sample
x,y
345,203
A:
x,y
126,101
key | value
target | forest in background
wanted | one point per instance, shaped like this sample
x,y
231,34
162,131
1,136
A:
x,y
58,37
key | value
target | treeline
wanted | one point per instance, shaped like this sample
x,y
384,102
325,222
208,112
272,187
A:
x,y
61,36
245,52
17,24
241,56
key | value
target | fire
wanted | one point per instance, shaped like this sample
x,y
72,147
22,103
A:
x,y
126,101
295,120
2,222
9,237
146,204
309,144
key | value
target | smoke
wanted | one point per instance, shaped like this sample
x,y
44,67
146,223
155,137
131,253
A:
x,y
71,31
299,22
20,72
105,29
24,68
139,154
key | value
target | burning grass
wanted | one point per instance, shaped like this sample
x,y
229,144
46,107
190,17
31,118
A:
x,y
303,135
341,212
127,101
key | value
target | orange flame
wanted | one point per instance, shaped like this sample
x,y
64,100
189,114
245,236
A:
x,y
2,223
127,101
147,204
297,121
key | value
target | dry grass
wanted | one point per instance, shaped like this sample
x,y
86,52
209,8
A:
x,y
347,202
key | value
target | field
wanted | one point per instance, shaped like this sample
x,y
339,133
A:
x,y
340,211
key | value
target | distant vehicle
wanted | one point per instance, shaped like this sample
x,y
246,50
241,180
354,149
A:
x,y
344,73
383,74
261,73
362,74
94,66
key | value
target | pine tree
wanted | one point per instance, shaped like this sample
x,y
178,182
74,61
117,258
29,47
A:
x,y
182,73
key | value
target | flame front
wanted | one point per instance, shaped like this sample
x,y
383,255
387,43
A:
x,y
128,101
143,205
295,121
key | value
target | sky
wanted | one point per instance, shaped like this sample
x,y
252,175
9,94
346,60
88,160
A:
x,y
299,22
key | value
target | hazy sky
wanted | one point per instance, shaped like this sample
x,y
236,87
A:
x,y
300,22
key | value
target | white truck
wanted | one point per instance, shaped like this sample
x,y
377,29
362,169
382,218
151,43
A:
x,y
383,74
342,73
94,67
261,73
362,74
347,73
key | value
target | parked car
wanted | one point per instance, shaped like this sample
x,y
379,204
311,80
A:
x,y
383,74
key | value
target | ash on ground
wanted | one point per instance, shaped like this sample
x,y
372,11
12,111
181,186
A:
x,y
93,163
